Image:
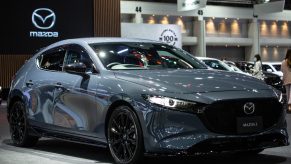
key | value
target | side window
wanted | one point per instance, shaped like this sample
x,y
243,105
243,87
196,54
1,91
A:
x,y
73,57
214,64
52,61
266,67
173,61
77,55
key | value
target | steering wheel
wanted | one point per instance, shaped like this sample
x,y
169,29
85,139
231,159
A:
x,y
112,64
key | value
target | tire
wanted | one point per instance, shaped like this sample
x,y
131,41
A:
x,y
19,127
124,136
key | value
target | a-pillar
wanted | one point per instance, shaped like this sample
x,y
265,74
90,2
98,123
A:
x,y
138,18
200,33
254,34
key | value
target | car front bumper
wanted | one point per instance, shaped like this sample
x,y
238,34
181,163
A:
x,y
171,132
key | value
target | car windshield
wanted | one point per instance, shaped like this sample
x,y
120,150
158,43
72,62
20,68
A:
x,y
126,56
277,67
216,64
236,69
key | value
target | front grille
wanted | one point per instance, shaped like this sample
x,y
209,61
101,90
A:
x,y
221,117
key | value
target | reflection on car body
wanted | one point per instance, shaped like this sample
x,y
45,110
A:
x,y
138,96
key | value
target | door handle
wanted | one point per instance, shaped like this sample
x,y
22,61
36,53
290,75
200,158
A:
x,y
58,85
29,83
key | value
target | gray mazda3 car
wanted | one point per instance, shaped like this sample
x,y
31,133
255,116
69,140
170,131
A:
x,y
140,97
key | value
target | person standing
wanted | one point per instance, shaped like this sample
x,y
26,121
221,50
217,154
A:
x,y
257,70
286,69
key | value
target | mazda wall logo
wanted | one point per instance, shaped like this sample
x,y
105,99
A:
x,y
249,108
43,18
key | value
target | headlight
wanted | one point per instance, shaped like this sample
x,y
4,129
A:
x,y
279,95
174,104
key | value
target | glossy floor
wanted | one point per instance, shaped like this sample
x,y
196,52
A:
x,y
49,151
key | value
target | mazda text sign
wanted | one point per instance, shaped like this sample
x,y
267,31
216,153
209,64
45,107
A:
x,y
27,26
43,19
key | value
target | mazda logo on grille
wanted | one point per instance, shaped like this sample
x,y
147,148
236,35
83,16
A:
x,y
249,108
43,18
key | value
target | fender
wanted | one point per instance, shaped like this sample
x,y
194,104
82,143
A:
x,y
13,95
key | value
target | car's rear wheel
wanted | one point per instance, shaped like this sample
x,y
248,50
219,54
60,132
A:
x,y
19,128
125,136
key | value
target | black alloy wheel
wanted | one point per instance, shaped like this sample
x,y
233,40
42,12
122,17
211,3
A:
x,y
125,136
19,126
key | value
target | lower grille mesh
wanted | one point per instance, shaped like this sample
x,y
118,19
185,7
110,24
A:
x,y
220,117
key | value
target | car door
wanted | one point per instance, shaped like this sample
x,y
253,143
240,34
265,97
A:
x,y
42,82
75,107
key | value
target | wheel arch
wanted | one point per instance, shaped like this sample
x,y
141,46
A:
x,y
14,96
111,108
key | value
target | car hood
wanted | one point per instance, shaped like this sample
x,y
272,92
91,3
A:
x,y
191,81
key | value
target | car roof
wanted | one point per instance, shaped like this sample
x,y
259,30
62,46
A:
x,y
272,63
92,40
206,58
104,40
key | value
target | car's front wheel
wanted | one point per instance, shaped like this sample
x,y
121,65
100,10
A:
x,y
19,128
125,137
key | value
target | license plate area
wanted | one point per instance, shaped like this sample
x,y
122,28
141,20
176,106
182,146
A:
x,y
249,124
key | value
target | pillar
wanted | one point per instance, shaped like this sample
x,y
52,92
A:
x,y
254,33
138,18
200,33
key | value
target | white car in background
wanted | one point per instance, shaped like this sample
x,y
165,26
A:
x,y
220,65
273,67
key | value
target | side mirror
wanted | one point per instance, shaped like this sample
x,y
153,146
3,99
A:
x,y
75,68
269,70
